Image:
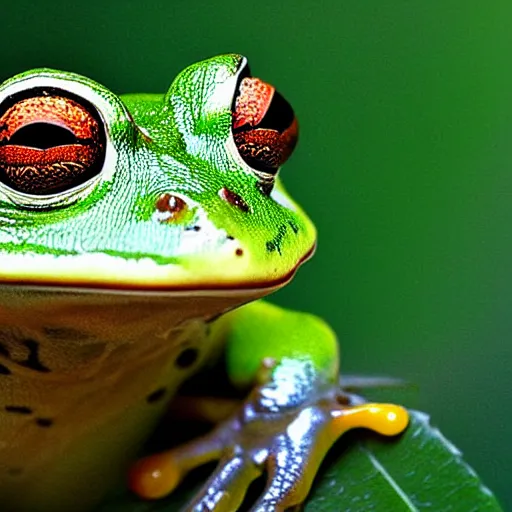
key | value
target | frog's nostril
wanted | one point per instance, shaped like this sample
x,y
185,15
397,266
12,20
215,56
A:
x,y
233,199
170,207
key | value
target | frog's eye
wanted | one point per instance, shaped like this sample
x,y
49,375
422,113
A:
x,y
264,126
50,142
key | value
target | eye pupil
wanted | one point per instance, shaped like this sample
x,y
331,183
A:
x,y
42,136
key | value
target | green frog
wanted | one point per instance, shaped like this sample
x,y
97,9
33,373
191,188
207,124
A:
x,y
138,234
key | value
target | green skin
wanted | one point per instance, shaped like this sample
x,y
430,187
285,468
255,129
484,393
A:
x,y
109,243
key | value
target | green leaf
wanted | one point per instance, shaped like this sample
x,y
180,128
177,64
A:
x,y
419,471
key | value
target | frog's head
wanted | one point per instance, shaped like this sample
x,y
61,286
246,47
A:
x,y
148,192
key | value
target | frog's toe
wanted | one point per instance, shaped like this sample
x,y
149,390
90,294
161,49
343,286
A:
x,y
291,468
226,488
287,446
157,475
295,460
385,419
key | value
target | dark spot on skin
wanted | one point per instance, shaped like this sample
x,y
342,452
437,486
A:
x,y
193,228
187,358
156,396
239,252
233,199
277,241
44,422
294,226
3,350
18,409
14,471
33,362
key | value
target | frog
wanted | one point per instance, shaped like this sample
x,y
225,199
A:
x,y
139,237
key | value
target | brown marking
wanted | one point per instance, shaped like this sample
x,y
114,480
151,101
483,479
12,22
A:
x,y
44,422
29,360
18,409
187,358
174,206
33,362
156,395
170,203
234,199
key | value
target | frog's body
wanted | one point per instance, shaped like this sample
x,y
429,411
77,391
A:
x,y
128,227
91,372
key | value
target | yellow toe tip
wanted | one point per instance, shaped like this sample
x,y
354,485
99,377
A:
x,y
154,477
386,419
389,419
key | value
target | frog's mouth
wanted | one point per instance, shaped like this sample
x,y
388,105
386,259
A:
x,y
50,141
114,275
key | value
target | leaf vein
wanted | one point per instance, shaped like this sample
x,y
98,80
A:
x,y
392,482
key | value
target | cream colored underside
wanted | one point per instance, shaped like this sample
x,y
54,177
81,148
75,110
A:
x,y
106,353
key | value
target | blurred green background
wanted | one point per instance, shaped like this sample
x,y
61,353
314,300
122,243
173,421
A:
x,y
405,164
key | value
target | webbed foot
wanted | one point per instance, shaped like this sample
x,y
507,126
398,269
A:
x,y
287,445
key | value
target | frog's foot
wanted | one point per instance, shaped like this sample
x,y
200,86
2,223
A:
x,y
286,445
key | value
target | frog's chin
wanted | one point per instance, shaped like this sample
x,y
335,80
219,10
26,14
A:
x,y
143,275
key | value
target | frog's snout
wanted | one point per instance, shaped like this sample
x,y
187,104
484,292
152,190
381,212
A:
x,y
176,209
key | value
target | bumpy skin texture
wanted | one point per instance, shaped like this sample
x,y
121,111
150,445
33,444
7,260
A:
x,y
180,144
120,286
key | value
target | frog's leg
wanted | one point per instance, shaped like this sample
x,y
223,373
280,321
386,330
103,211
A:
x,y
286,425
